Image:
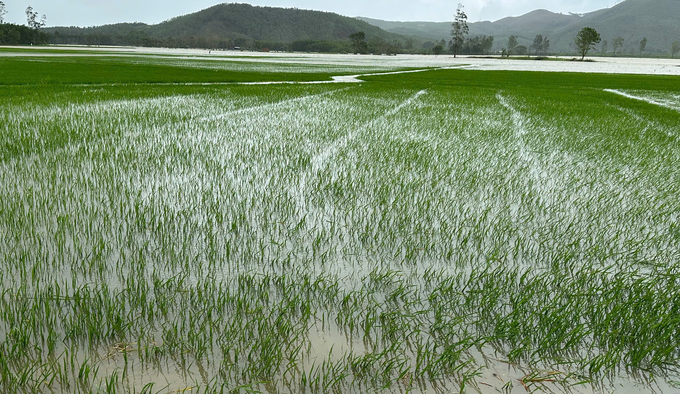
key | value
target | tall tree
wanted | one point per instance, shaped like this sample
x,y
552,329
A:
x,y
604,46
512,44
675,48
32,19
586,40
459,31
643,44
546,45
3,12
540,44
617,43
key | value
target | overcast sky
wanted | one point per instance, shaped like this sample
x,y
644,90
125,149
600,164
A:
x,y
98,12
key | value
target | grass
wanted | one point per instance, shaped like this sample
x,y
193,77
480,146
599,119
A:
x,y
48,49
139,70
417,232
37,71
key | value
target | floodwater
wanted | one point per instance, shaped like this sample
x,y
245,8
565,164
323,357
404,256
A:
x,y
608,65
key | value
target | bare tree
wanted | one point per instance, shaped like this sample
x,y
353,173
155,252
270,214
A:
x,y
604,46
459,31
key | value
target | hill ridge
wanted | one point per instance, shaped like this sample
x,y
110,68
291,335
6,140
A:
x,y
233,25
632,20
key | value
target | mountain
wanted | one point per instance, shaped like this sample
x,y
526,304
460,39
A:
x,y
225,25
633,20
428,30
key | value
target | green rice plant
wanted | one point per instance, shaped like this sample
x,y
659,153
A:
x,y
416,232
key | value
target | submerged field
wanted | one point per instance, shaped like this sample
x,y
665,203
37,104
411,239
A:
x,y
441,231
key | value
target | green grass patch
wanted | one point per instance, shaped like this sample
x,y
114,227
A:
x,y
45,70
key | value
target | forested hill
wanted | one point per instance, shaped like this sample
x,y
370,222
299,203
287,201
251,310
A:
x,y
227,25
632,20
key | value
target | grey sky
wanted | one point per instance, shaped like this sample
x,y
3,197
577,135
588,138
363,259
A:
x,y
97,12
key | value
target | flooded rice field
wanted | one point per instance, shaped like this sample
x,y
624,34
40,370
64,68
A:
x,y
425,233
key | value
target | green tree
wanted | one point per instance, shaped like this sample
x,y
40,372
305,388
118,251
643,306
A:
x,y
643,44
586,40
478,45
11,34
459,31
3,12
617,43
675,48
604,46
32,19
359,41
540,44
512,44
438,49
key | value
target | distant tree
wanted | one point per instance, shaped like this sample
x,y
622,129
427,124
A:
x,y
31,19
438,49
3,12
643,44
540,44
586,40
521,50
604,46
11,34
359,41
617,43
428,45
512,44
379,46
479,45
459,31
675,48
30,16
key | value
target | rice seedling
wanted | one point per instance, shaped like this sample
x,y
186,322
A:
x,y
446,230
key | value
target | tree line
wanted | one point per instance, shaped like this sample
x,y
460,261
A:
x,y
11,34
617,46
460,44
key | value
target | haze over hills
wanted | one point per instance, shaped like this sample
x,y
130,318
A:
x,y
226,25
657,20
229,25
